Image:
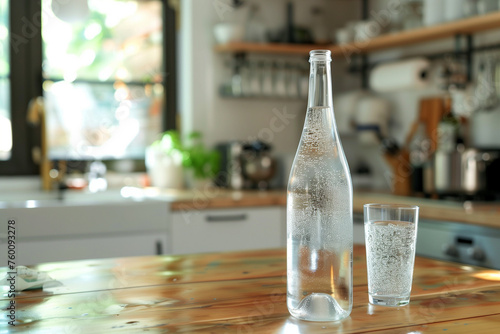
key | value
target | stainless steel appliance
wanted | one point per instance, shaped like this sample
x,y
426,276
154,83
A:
x,y
246,165
467,172
258,165
231,174
458,242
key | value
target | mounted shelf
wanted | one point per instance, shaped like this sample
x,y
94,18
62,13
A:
x,y
393,40
270,48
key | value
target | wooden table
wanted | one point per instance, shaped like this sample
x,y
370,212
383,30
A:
x,y
242,292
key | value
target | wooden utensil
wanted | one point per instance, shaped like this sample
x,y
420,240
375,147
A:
x,y
401,171
431,112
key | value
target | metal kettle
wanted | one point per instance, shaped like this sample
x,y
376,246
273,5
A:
x,y
258,165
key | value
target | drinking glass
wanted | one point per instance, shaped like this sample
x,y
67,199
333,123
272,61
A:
x,y
390,236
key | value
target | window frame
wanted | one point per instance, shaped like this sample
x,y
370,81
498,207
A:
x,y
25,83
25,51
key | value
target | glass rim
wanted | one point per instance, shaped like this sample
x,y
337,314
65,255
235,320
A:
x,y
390,206
320,52
320,55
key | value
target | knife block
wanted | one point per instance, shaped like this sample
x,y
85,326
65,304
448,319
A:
x,y
401,172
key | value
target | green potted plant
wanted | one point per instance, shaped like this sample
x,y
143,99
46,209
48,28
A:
x,y
170,162
202,164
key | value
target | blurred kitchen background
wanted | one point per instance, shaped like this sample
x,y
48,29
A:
x,y
116,74
183,94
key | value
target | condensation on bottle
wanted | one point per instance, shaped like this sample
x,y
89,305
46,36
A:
x,y
319,210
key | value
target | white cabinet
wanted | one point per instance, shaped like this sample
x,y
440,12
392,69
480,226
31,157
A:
x,y
60,232
196,231
86,247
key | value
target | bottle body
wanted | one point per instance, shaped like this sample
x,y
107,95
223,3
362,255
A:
x,y
319,214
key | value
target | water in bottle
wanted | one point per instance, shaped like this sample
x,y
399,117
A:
x,y
319,210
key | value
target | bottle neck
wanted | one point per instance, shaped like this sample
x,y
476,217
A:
x,y
320,85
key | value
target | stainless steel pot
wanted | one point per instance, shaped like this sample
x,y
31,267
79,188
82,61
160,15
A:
x,y
447,172
462,171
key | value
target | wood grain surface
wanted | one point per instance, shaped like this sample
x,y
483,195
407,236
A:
x,y
242,292
486,214
213,198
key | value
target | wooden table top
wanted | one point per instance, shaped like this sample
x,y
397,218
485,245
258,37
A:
x,y
476,213
241,292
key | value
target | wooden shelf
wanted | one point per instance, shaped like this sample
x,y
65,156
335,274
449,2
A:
x,y
465,26
271,48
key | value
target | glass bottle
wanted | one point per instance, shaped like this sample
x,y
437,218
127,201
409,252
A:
x,y
267,79
246,89
255,79
236,81
319,210
280,80
447,130
292,81
420,150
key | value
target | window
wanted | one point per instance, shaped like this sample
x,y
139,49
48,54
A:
x,y
5,123
102,61
100,66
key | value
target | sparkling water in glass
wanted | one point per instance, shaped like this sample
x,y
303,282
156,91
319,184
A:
x,y
390,236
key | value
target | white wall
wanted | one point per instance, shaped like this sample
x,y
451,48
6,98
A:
x,y
202,71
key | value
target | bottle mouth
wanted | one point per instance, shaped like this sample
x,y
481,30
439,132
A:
x,y
320,55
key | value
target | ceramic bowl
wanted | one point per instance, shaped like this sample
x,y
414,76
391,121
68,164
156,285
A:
x,y
228,32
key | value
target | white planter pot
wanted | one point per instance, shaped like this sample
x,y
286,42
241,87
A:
x,y
194,183
165,171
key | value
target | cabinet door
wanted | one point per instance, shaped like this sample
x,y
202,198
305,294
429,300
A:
x,y
197,231
72,231
30,252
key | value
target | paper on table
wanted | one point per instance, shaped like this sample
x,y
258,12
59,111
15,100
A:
x,y
24,278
